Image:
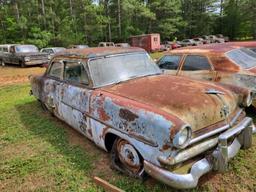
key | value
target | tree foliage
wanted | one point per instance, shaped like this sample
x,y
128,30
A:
x,y
65,22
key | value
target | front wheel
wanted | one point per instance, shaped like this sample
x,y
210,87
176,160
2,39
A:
x,y
2,63
126,159
22,64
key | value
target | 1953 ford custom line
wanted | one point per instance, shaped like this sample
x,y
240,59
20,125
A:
x,y
172,128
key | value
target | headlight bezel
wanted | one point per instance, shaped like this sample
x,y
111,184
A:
x,y
180,133
26,59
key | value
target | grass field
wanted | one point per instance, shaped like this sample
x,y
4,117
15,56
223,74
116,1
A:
x,y
40,153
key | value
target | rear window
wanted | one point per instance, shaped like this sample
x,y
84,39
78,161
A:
x,y
243,57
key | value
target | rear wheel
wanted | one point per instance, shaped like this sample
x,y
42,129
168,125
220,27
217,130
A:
x,y
126,159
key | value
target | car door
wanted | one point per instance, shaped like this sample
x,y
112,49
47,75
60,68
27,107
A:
x,y
74,96
197,67
52,84
170,63
6,54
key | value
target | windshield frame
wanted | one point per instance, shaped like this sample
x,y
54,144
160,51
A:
x,y
117,82
235,62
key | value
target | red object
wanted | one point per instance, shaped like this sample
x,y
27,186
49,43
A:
x,y
149,42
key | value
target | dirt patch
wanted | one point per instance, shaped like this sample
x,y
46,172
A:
x,y
32,182
15,75
23,149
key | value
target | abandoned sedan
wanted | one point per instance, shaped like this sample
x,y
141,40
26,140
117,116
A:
x,y
223,63
173,128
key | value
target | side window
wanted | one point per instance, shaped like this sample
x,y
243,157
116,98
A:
x,y
75,72
56,70
5,49
195,62
170,62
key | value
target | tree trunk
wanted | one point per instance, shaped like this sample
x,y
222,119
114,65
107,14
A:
x,y
119,18
16,7
43,12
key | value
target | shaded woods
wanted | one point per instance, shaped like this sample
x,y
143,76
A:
x,y
64,22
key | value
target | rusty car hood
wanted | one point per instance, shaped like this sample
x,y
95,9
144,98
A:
x,y
179,96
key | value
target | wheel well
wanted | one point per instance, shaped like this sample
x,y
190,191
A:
x,y
109,140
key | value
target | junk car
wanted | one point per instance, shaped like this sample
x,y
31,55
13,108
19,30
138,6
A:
x,y
248,44
52,50
221,63
173,128
189,42
23,55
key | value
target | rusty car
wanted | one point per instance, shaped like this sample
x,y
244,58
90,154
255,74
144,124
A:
x,y
248,44
175,129
22,55
222,63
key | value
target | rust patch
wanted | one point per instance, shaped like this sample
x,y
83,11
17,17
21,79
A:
x,y
165,147
127,115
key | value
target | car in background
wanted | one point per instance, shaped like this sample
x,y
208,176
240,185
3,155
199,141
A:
x,y
215,39
172,44
203,41
147,120
22,55
189,42
52,50
78,46
221,63
106,44
226,38
122,45
206,38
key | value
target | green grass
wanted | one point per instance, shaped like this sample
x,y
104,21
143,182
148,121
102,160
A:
x,y
40,153
156,55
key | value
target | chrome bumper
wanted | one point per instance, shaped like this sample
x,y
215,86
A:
x,y
218,160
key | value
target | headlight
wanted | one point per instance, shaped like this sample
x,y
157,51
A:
x,y
182,138
248,100
49,57
27,58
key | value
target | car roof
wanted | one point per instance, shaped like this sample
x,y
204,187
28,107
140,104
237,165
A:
x,y
205,49
243,43
7,45
97,51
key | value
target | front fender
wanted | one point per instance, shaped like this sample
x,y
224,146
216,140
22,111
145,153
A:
x,y
134,119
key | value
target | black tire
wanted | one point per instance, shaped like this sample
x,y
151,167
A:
x,y
45,108
2,63
22,64
133,168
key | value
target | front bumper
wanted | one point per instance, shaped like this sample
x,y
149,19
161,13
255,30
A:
x,y
218,160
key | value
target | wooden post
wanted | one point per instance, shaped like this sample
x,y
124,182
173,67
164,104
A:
x,y
107,186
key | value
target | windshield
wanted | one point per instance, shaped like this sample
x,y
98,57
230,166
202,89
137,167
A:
x,y
117,68
26,48
59,49
243,57
81,46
